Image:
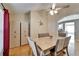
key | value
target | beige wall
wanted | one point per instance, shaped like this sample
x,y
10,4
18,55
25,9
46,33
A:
x,y
52,25
36,17
1,31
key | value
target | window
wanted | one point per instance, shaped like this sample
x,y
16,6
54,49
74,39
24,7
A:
x,y
60,26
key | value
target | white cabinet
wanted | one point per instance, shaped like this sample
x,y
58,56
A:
x,y
19,34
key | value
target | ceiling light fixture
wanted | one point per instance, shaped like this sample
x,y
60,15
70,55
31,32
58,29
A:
x,y
54,10
51,12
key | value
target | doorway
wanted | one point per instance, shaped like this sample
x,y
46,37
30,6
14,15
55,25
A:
x,y
70,28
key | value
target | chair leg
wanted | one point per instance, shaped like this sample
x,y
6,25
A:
x,y
32,54
67,51
41,53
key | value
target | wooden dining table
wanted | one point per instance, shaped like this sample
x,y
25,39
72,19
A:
x,y
47,43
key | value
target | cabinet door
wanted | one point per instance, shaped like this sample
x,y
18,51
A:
x,y
24,33
15,36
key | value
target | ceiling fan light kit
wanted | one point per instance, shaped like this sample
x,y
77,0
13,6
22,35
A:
x,y
55,11
51,12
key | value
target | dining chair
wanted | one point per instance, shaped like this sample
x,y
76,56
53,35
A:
x,y
41,35
66,44
42,53
62,33
32,45
35,49
58,48
61,46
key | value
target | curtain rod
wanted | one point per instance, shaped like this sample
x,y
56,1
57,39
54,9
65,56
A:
x,y
2,5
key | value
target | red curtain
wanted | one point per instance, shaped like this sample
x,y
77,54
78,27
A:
x,y
6,33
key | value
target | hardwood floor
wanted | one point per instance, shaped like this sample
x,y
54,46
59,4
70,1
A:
x,y
24,50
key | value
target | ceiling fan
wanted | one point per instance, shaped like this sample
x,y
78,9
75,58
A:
x,y
54,10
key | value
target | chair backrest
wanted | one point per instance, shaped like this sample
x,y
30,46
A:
x,y
66,43
43,35
62,33
33,46
59,45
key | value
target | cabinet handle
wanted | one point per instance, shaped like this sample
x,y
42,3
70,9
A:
x,y
14,31
14,36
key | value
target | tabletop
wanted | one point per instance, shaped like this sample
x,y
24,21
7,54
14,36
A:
x,y
46,42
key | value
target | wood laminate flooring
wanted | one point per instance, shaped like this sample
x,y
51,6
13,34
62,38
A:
x,y
24,50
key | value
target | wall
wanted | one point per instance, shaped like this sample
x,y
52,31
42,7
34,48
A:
x,y
36,17
77,30
77,37
1,32
52,25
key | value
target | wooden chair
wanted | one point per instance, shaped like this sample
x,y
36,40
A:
x,y
33,46
66,43
42,35
42,53
35,49
62,33
58,48
61,45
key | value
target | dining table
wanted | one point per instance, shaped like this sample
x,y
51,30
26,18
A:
x,y
47,43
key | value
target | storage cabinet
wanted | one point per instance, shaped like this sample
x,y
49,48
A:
x,y
19,34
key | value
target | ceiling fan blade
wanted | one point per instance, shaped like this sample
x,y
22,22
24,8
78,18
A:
x,y
55,11
66,6
58,9
53,5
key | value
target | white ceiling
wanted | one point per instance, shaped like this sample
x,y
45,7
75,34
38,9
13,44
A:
x,y
25,7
